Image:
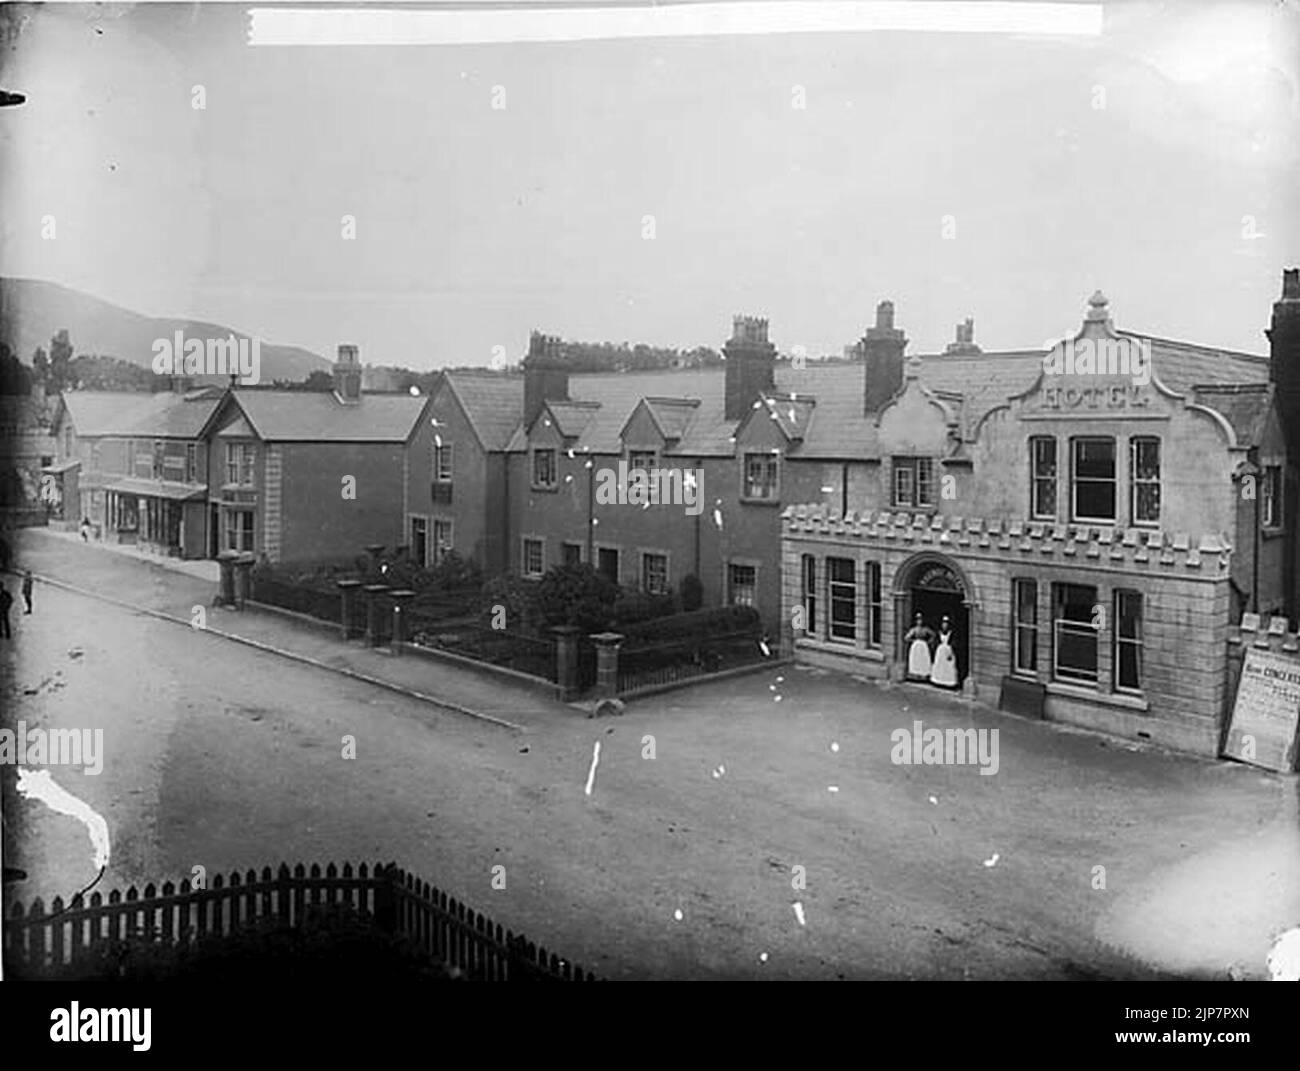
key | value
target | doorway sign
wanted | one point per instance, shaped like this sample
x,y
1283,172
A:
x,y
1266,713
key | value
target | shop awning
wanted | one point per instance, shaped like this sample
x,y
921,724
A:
x,y
177,492
61,467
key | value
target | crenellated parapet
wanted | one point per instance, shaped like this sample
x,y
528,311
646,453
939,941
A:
x,y
1264,633
1106,546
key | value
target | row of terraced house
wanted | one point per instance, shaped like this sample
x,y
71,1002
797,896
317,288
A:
x,y
841,499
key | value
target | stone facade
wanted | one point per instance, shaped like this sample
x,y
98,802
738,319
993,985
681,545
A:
x,y
1182,582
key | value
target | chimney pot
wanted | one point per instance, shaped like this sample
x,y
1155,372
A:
x,y
347,373
1291,284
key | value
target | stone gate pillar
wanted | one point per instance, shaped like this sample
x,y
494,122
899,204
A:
x,y
607,645
566,660
401,601
226,591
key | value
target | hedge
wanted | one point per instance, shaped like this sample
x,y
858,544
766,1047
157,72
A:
x,y
695,626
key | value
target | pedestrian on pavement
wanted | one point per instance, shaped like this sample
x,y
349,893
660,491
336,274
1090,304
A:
x,y
6,601
85,529
27,590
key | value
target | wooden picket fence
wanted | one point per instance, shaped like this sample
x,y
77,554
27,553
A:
x,y
38,942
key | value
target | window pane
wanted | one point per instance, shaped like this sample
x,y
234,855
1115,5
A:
x,y
1094,459
1075,637
843,592
743,580
873,602
1146,502
924,482
1027,649
902,484
1146,459
810,593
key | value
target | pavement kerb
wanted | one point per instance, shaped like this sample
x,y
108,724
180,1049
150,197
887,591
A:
x,y
356,675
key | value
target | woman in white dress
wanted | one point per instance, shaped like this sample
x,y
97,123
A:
x,y
944,672
918,654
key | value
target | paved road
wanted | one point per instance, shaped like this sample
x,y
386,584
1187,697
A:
x,y
226,757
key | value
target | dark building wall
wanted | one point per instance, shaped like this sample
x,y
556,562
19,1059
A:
x,y
316,522
474,529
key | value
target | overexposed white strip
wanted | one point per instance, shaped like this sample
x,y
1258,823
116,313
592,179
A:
x,y
377,26
39,785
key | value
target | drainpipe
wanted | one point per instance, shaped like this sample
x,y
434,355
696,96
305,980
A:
x,y
699,467
844,489
591,510
1254,565
505,510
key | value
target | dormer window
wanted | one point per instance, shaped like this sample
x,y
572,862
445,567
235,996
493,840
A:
x,y
762,472
914,482
641,459
544,469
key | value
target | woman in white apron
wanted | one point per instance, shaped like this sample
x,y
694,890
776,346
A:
x,y
944,671
918,653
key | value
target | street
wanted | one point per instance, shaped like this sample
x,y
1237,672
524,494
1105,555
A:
x,y
223,756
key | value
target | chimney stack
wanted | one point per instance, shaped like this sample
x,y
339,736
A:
x,y
882,348
750,366
964,344
347,375
546,376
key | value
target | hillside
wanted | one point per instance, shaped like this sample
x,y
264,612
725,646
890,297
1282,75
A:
x,y
32,310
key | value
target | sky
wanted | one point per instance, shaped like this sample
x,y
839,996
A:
x,y
648,190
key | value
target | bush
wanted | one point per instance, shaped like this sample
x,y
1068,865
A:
x,y
696,626
517,595
576,595
692,593
637,606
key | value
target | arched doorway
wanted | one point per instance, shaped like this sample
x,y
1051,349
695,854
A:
x,y
935,587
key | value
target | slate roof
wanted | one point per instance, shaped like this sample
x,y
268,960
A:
x,y
310,416
673,415
827,398
493,404
1245,406
134,413
572,418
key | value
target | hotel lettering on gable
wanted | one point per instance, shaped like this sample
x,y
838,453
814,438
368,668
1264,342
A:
x,y
1091,539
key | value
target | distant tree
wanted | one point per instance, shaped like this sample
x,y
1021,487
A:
x,y
61,361
40,365
317,381
92,372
